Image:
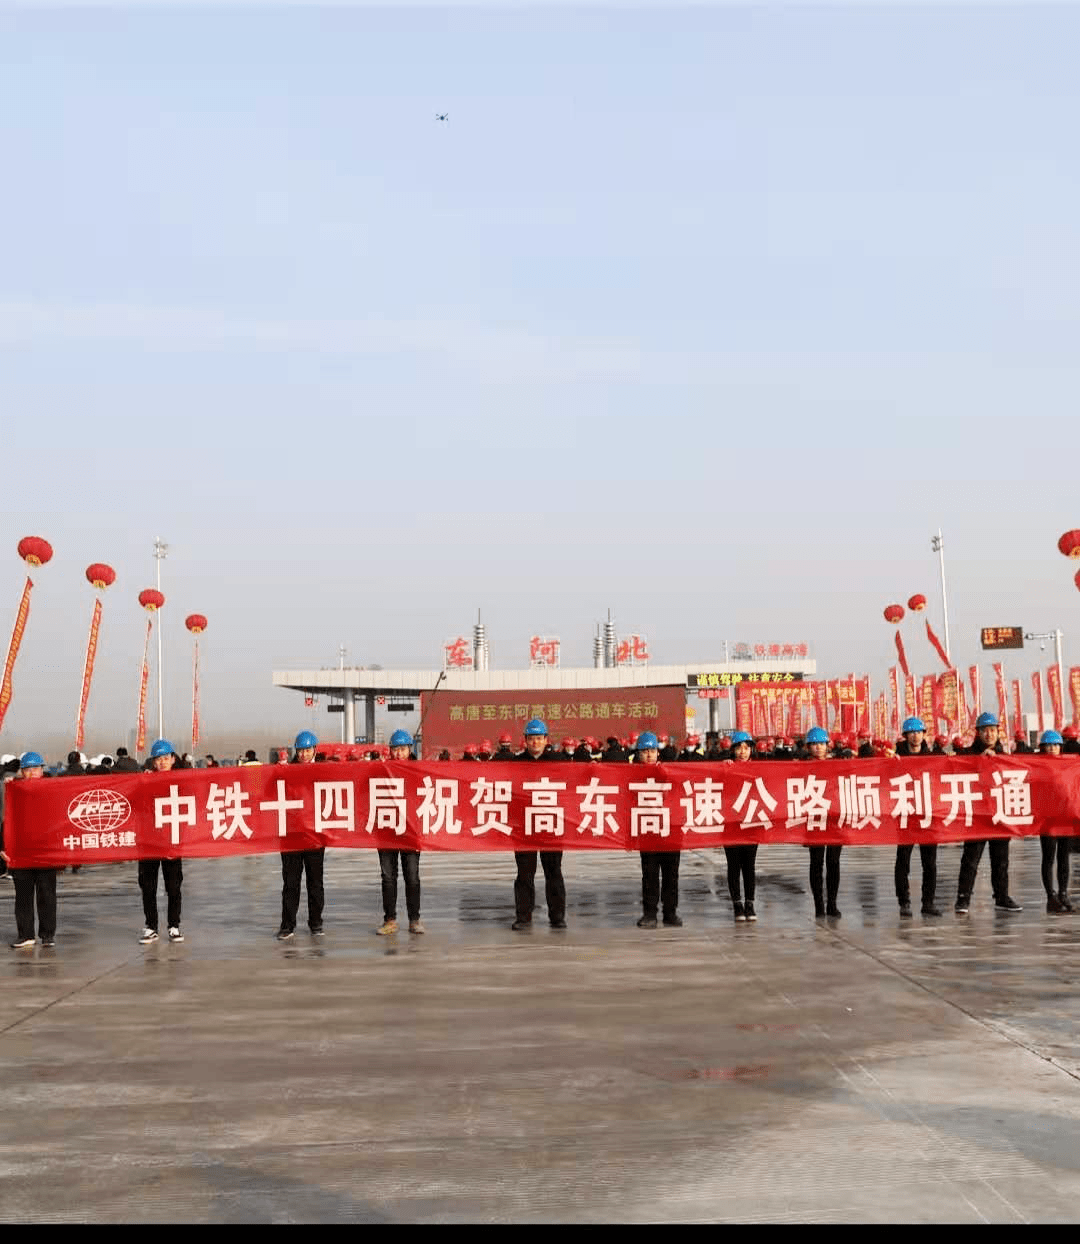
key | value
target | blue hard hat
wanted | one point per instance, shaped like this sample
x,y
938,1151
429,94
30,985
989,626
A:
x,y
740,736
986,719
536,726
401,738
647,740
1051,736
31,760
817,735
305,739
161,748
912,723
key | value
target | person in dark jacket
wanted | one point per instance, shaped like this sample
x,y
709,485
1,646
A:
x,y
668,751
914,744
307,864
825,890
536,749
505,751
742,860
33,884
691,751
987,739
1055,850
401,748
659,869
614,753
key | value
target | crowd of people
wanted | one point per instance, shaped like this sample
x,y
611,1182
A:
x,y
36,887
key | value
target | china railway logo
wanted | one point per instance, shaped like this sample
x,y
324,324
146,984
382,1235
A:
x,y
96,810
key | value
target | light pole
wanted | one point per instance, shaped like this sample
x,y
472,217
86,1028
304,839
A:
x,y
1056,636
344,714
937,544
161,550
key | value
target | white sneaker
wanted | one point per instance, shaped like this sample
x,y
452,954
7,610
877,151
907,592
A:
x,y
175,935
148,936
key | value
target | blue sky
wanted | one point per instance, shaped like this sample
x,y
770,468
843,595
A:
x,y
708,315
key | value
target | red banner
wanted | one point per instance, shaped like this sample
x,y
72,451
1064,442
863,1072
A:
x,y
926,701
1074,693
976,688
1018,710
1053,681
894,690
939,703
950,698
911,706
821,705
936,643
902,655
1036,686
454,719
512,807
144,678
88,673
744,715
13,648
1002,698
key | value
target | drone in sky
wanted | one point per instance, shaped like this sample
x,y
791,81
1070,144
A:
x,y
442,116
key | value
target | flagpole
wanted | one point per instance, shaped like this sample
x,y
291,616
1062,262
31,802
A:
x,y
937,544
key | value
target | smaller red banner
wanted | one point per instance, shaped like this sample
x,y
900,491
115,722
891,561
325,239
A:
x,y
1053,681
13,648
88,673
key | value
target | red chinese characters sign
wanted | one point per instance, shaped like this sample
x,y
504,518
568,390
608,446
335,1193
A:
x,y
454,719
457,654
632,650
544,650
504,807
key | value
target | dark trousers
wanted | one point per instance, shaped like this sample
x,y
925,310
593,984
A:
x,y
928,855
1060,848
740,863
660,882
827,858
31,883
999,866
410,870
525,885
173,873
294,864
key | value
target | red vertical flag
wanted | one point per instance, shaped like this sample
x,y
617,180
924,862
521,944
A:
x,y
937,646
88,673
864,705
950,699
911,705
140,734
902,655
821,704
926,701
1018,709
1053,681
1074,693
1003,699
976,689
13,648
1036,686
894,689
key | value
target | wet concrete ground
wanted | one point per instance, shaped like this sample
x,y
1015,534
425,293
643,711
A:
x,y
870,1069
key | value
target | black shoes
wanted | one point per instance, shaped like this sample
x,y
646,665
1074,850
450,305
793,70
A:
x,y
521,926
673,921
905,909
751,914
647,922
928,909
832,910
963,903
740,912
1007,904
558,924
1063,899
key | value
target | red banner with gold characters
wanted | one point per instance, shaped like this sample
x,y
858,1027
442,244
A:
x,y
926,701
144,678
88,673
911,704
976,688
1074,693
13,648
94,818
894,691
195,696
950,698
1002,698
1036,686
1018,711
1053,681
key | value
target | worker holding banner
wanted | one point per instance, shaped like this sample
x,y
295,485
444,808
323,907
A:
x,y
914,744
537,749
741,860
401,748
1055,850
295,864
162,758
987,732
33,883
659,869
825,859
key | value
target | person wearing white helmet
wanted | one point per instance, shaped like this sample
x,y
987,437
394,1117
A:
x,y
162,758
659,869
33,884
401,748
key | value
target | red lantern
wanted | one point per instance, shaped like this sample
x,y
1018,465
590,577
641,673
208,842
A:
x,y
196,623
151,599
1069,544
894,614
1077,580
35,551
100,575
917,604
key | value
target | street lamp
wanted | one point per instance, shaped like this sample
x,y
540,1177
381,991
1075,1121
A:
x,y
161,550
937,544
1056,636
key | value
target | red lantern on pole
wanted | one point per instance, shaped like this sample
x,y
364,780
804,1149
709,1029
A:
x,y
894,614
917,604
35,551
151,599
1069,544
100,576
196,623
